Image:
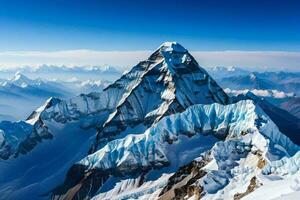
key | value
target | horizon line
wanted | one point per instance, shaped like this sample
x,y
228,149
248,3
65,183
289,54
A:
x,y
261,60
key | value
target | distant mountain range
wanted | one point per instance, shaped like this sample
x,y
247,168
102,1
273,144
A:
x,y
49,72
220,72
279,88
239,80
20,94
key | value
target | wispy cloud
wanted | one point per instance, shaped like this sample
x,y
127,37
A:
x,y
259,60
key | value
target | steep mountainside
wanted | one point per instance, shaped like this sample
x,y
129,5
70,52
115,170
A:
x,y
292,105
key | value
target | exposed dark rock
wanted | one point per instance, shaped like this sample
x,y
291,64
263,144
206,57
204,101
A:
x,y
182,183
80,184
252,186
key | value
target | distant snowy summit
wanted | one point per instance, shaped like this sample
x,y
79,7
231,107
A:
x,y
62,68
62,73
172,46
220,72
163,130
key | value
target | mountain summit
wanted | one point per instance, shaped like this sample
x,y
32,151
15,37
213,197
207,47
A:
x,y
169,81
172,47
164,130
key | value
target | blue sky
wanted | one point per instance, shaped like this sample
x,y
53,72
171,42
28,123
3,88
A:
x,y
139,25
37,31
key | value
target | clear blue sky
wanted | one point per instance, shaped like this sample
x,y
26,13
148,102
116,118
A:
x,y
138,25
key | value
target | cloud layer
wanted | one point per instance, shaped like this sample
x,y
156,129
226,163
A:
x,y
253,60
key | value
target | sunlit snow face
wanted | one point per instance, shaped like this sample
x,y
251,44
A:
x,y
174,53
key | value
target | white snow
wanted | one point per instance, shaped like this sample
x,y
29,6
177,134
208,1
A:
x,y
172,46
276,187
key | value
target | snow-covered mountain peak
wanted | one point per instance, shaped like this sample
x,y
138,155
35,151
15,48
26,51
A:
x,y
20,80
172,47
252,76
19,77
35,116
167,82
231,68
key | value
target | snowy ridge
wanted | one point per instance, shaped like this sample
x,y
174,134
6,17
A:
x,y
143,150
88,109
82,108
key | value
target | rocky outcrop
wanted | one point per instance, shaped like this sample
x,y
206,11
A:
x,y
252,186
182,183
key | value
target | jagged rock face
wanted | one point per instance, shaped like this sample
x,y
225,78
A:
x,y
82,185
182,182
